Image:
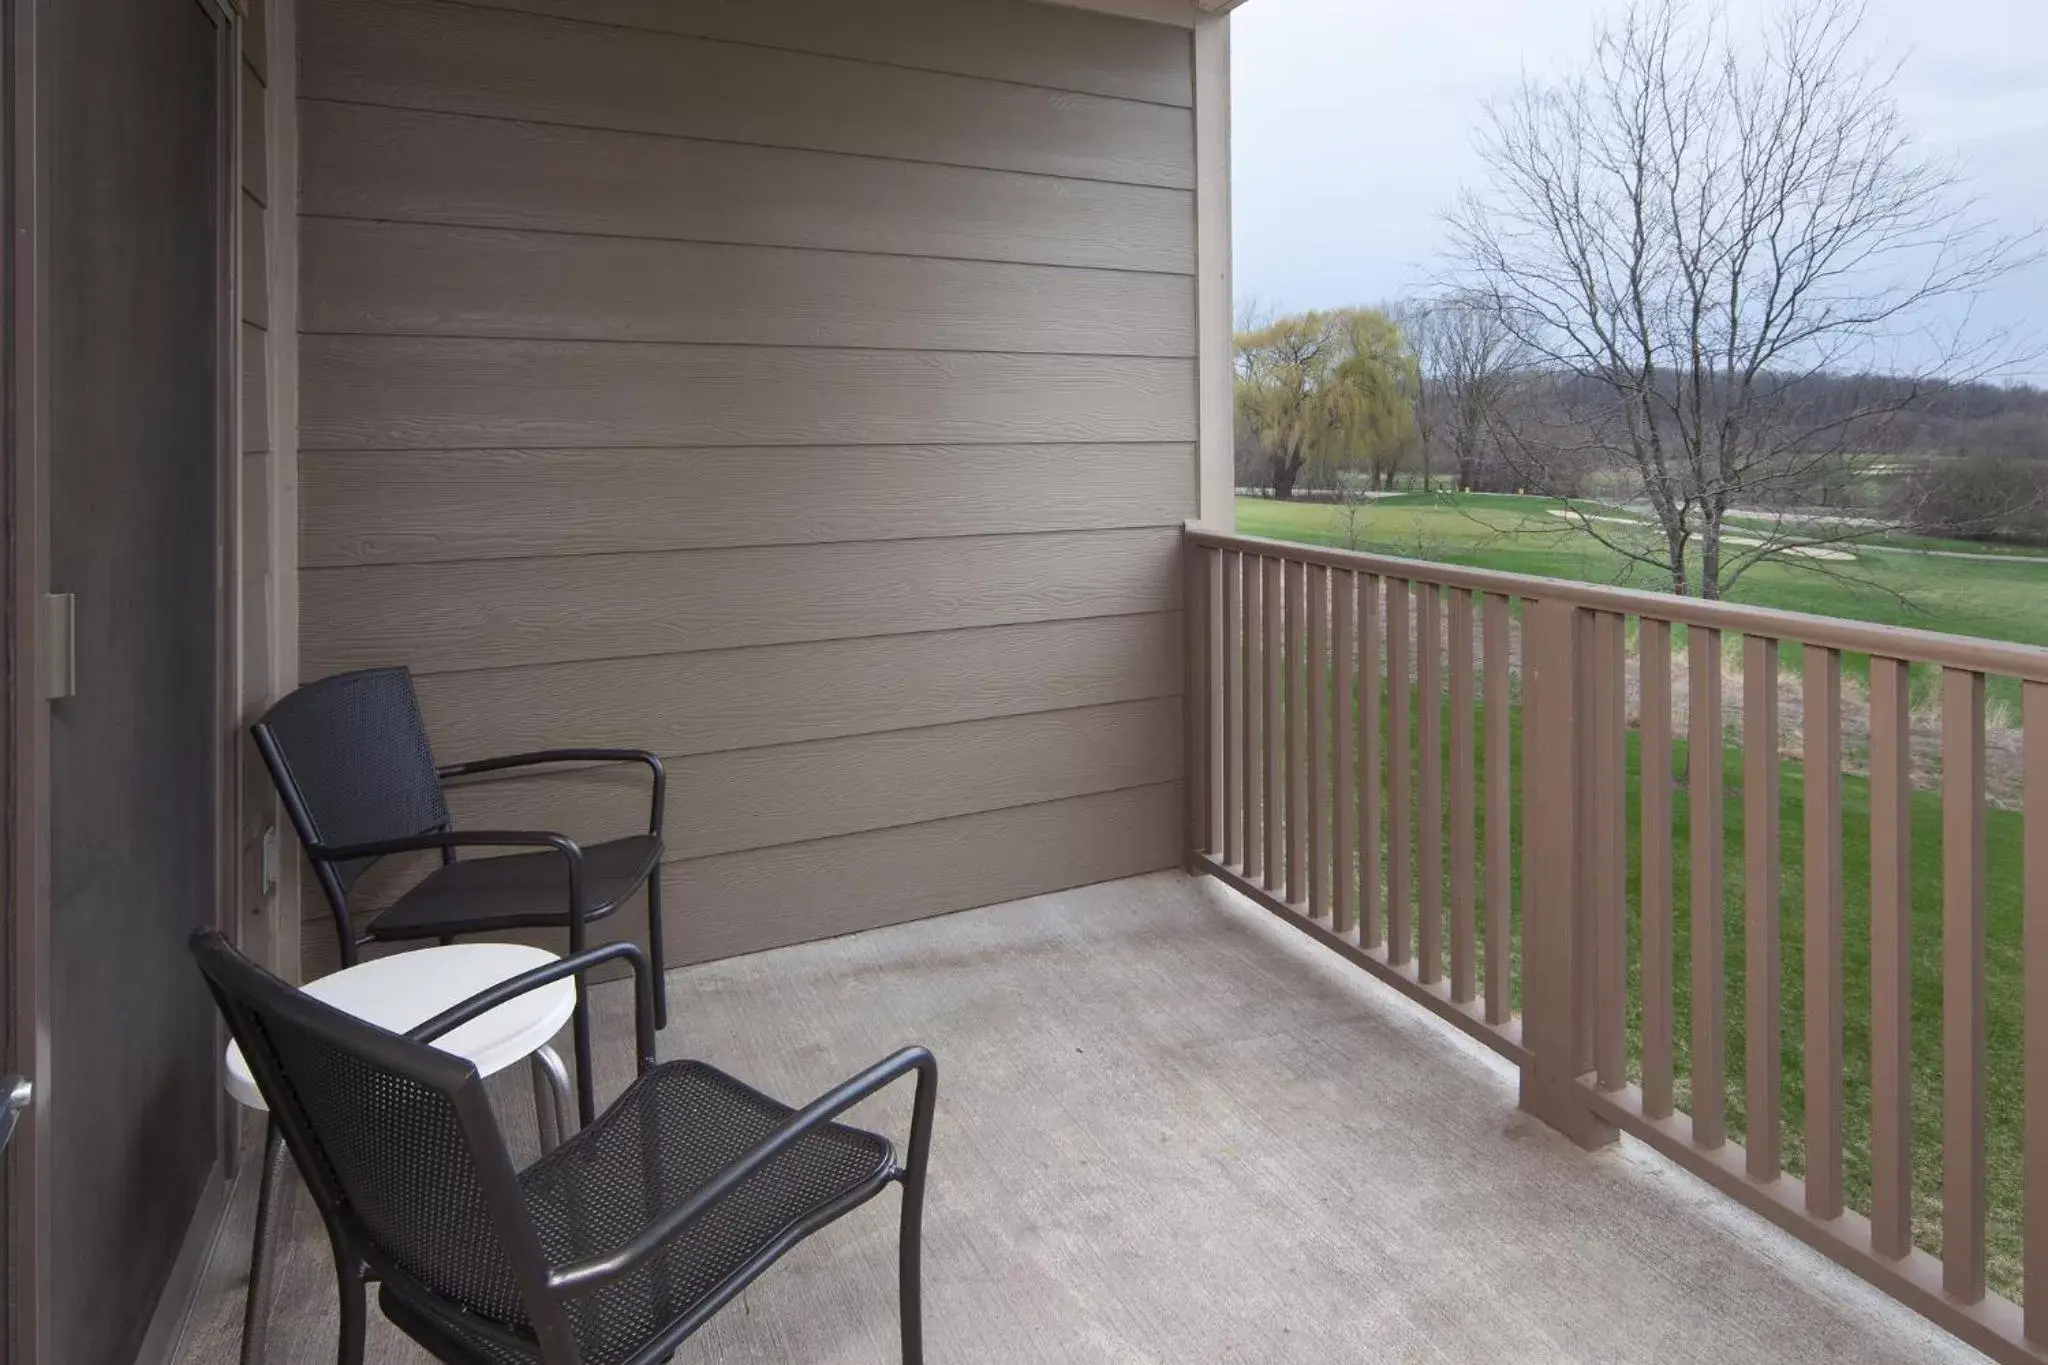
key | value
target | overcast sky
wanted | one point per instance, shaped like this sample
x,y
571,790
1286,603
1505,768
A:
x,y
1353,126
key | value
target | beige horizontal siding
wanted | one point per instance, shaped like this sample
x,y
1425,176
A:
x,y
810,401
749,698
411,507
771,897
1012,41
790,793
420,54
255,389
432,280
255,277
255,137
444,617
768,898
365,162
383,393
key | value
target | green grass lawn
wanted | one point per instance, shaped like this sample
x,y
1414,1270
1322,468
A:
x,y
1518,535
2002,967
1976,597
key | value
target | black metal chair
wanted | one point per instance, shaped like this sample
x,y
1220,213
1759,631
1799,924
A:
x,y
350,758
609,1250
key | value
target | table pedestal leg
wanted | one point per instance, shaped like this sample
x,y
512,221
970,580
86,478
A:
x,y
550,1097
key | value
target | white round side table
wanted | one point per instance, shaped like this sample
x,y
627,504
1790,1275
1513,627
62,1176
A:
x,y
401,992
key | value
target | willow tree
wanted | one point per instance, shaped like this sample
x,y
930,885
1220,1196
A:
x,y
1330,392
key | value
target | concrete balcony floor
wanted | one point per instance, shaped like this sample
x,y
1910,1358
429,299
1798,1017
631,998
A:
x,y
1171,1129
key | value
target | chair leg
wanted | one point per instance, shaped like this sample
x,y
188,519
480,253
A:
x,y
586,1083
654,949
355,1312
910,1280
256,1309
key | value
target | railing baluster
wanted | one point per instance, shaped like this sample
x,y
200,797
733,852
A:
x,y
1213,706
1276,733
1962,984
1499,801
1194,696
1297,737
1822,722
1429,797
1316,805
1464,928
1653,666
1891,958
1703,759
1344,605
1760,910
1233,707
1318,741
1254,717
1400,944
2034,953
1606,845
1370,768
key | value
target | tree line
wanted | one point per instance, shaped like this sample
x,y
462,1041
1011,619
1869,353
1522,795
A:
x,y
1707,273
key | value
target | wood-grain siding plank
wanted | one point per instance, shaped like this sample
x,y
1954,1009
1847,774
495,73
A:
x,y
405,507
444,617
746,902
428,279
757,798
360,161
256,37
422,54
385,393
1032,44
255,389
782,694
766,898
255,271
255,138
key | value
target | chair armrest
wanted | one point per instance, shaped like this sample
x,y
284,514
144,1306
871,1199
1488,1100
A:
x,y
489,999
446,840
541,757
584,1276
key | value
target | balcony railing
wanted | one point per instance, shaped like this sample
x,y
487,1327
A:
x,y
1434,771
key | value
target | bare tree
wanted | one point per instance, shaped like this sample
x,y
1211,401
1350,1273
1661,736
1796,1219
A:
x,y
1692,230
1469,361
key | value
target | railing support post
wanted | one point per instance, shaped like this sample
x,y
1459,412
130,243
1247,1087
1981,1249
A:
x,y
1557,959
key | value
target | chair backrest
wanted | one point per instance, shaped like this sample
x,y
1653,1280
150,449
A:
x,y
398,1143
349,756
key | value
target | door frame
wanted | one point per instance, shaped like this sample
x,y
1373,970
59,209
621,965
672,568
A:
x,y
25,1321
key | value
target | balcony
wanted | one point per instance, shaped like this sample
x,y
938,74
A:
x,y
1173,1129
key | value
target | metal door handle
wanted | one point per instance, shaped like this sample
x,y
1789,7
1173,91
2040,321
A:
x,y
19,1092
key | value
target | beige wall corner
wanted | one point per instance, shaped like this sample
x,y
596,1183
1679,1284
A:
x,y
1212,270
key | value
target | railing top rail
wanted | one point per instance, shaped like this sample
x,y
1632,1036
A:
x,y
2029,662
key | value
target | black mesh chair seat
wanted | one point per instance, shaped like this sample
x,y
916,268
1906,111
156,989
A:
x,y
518,890
663,1140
